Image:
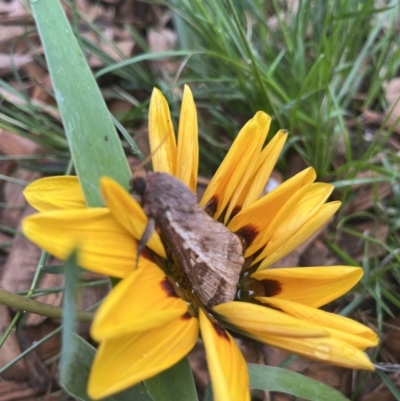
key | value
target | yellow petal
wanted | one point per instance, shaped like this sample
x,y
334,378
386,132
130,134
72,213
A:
x,y
294,217
264,122
54,193
188,146
263,216
358,341
105,247
143,300
125,361
285,240
313,286
247,318
262,171
228,369
340,327
128,212
245,148
161,134
325,349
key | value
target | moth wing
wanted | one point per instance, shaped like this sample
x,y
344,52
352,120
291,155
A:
x,y
220,248
211,256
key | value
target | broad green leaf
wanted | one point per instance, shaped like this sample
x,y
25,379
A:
x,y
282,380
174,384
92,138
69,315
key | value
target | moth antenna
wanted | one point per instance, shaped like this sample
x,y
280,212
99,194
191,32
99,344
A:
x,y
151,224
148,158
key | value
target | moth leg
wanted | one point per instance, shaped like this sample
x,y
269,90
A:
x,y
148,231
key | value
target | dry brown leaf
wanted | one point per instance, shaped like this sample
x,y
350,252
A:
x,y
14,99
370,117
14,11
368,194
317,254
39,377
21,263
392,93
52,346
88,297
355,246
198,365
13,195
41,81
5,243
295,165
17,391
10,350
91,10
13,144
391,114
293,258
8,34
119,107
161,41
138,13
380,395
392,339
118,51
10,63
55,298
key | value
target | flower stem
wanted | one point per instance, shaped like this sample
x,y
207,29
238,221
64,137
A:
x,y
30,305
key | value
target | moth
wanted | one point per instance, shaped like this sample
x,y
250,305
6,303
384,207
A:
x,y
210,254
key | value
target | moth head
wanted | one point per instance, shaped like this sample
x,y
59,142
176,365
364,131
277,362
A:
x,y
138,184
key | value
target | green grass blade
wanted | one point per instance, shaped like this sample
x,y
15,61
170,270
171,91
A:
x,y
145,57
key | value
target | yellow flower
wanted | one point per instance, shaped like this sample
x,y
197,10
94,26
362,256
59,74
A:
x,y
143,326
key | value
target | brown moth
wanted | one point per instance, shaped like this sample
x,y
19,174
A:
x,y
210,254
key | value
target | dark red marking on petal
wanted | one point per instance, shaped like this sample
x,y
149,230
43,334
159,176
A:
x,y
168,288
220,331
235,211
248,233
212,206
271,287
186,316
147,254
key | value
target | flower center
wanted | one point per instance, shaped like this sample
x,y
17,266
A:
x,y
248,287
178,278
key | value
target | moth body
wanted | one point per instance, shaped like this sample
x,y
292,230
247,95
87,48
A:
x,y
210,254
